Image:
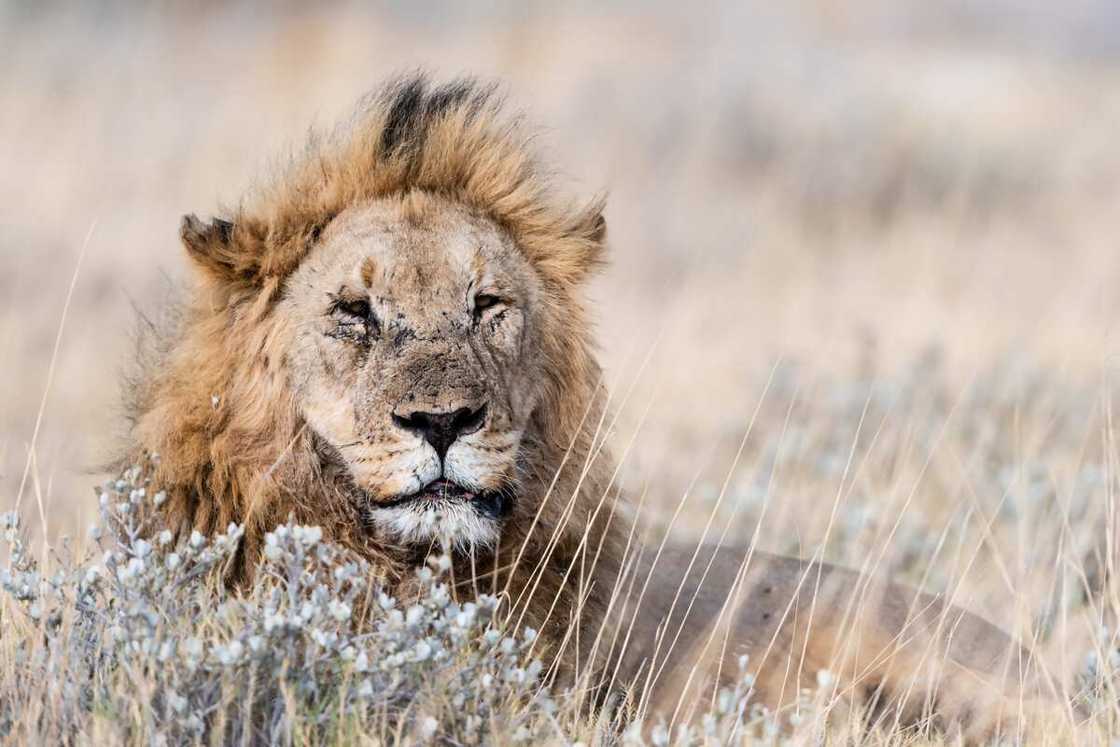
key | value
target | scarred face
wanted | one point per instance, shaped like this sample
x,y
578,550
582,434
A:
x,y
412,360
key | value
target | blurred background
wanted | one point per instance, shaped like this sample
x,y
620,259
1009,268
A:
x,y
861,298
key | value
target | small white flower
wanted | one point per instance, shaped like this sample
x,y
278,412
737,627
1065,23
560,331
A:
x,y
193,648
365,690
825,679
165,537
230,654
633,734
159,498
197,540
172,561
308,536
361,663
177,702
339,610
440,595
414,615
724,701
428,727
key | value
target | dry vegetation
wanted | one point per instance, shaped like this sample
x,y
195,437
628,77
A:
x,y
861,305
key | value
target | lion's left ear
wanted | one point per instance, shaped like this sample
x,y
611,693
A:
x,y
212,247
598,231
591,231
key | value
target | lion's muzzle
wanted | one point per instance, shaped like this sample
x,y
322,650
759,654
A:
x,y
441,429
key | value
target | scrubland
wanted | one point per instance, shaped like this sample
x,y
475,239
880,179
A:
x,y
861,305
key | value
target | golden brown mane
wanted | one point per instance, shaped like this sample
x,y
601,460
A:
x,y
216,406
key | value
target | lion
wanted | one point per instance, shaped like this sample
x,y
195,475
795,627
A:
x,y
390,340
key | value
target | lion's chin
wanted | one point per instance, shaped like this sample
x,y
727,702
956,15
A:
x,y
442,513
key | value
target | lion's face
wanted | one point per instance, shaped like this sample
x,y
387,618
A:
x,y
412,358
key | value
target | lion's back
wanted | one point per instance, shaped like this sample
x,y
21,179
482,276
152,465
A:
x,y
796,620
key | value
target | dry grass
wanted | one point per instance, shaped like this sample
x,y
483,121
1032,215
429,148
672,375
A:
x,y
889,230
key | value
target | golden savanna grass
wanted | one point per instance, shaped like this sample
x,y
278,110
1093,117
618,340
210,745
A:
x,y
860,295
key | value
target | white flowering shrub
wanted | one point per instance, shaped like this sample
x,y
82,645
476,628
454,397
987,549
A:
x,y
145,644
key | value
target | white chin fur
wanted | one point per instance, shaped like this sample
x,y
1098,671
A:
x,y
457,524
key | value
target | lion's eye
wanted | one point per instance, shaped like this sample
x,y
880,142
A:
x,y
484,301
356,312
359,308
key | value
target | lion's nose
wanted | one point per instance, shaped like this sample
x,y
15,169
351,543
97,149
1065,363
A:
x,y
440,429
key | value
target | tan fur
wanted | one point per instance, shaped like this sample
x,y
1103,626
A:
x,y
907,657
261,409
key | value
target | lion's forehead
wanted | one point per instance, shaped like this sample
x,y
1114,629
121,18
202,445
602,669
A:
x,y
408,254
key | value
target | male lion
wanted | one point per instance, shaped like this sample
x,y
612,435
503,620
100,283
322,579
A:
x,y
390,342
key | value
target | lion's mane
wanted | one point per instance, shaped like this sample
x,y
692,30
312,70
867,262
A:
x,y
213,400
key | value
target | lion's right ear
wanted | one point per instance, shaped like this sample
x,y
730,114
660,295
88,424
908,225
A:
x,y
211,246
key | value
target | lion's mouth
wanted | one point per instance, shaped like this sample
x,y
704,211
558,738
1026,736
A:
x,y
492,503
